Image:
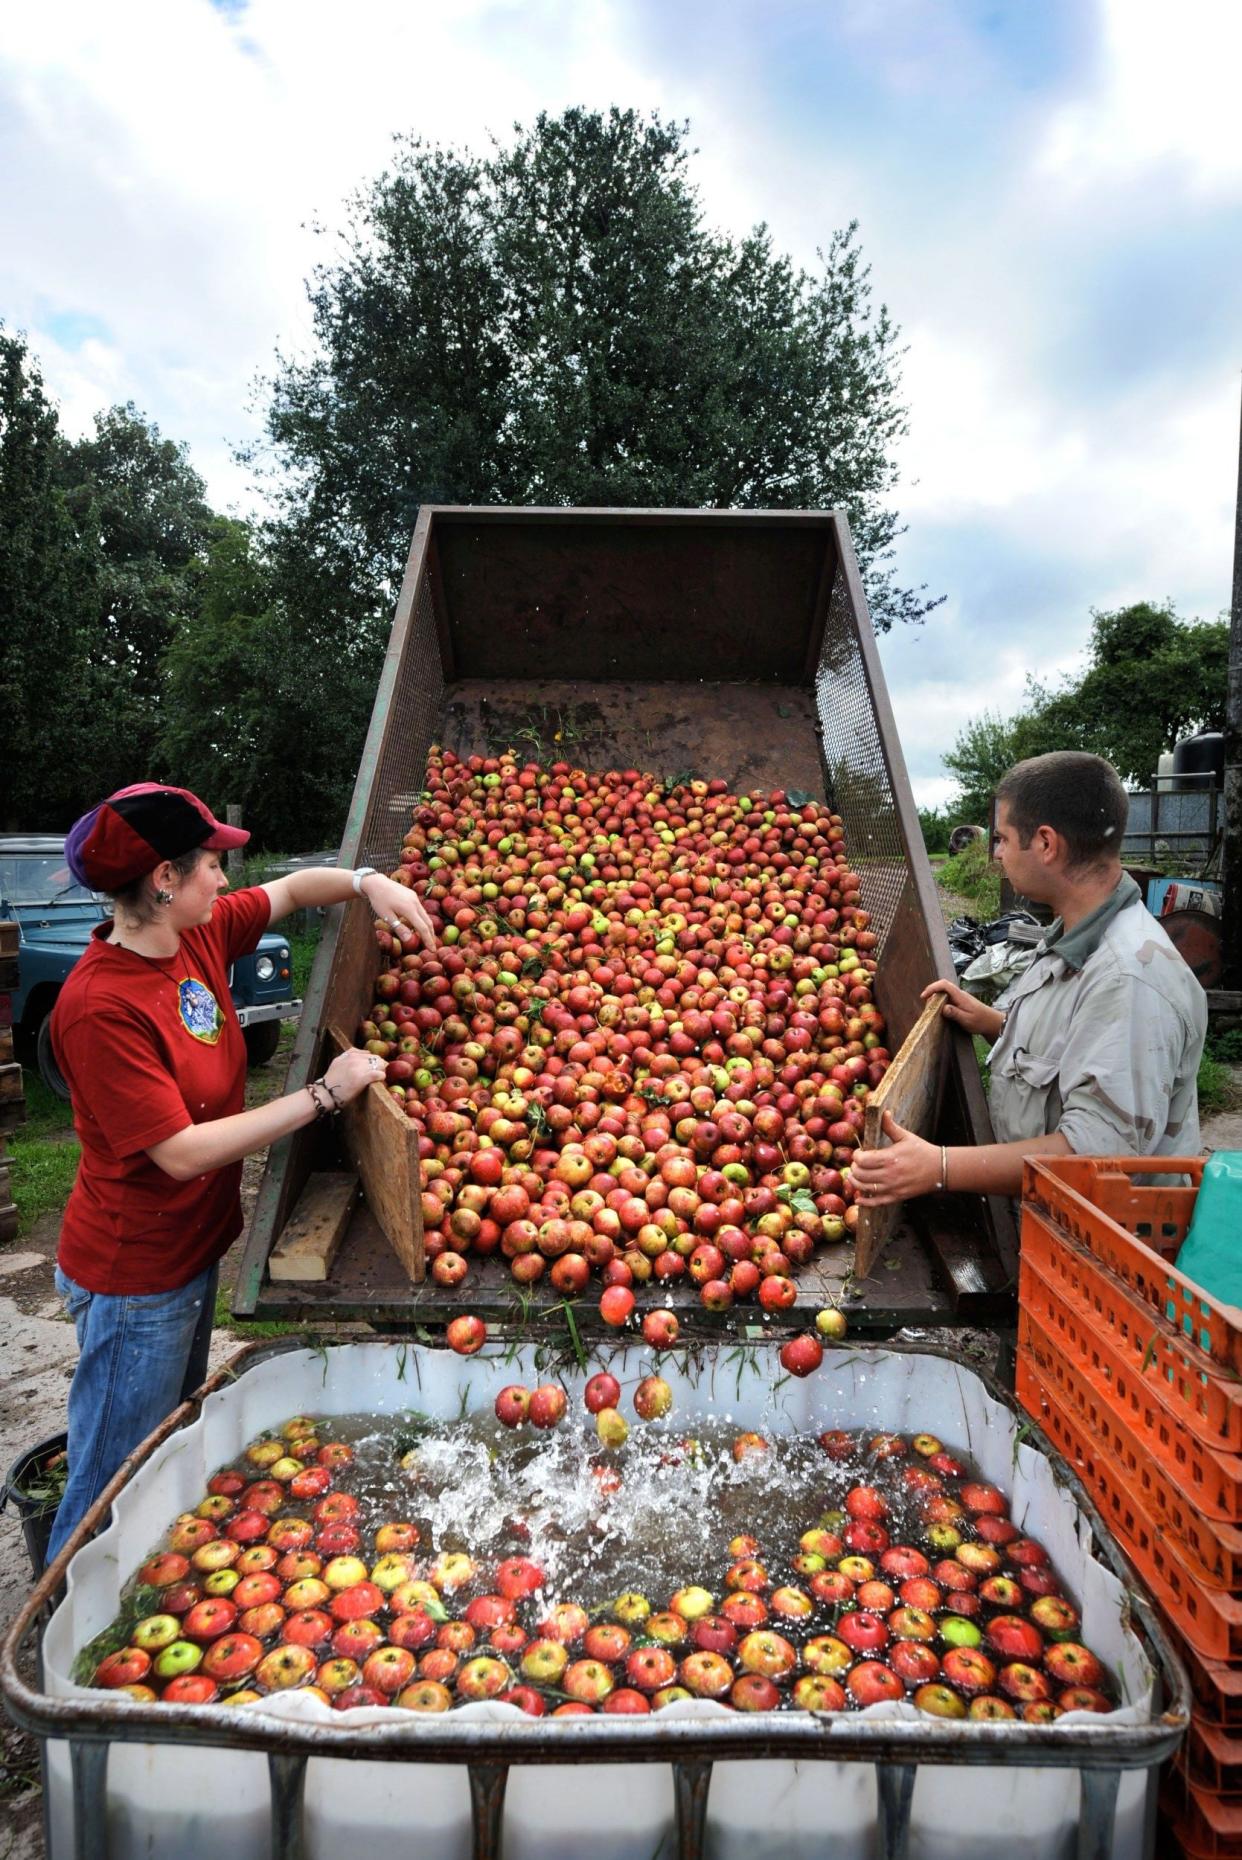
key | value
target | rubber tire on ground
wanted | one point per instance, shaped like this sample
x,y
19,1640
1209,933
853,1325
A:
x,y
261,1041
49,1071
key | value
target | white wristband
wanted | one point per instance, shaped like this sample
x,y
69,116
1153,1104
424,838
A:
x,y
363,871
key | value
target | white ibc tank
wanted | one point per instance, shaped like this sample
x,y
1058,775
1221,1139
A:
x,y
192,1802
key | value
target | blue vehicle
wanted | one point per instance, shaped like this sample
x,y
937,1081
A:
x,y
56,916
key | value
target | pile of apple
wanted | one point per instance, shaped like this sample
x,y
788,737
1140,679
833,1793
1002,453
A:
x,y
645,1041
918,1585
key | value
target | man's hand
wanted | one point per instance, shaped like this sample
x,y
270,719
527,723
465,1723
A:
x,y
908,1167
973,1015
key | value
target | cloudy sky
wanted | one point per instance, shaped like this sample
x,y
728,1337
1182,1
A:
x,y
1049,192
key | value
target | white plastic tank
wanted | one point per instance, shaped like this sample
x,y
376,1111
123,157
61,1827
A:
x,y
188,1801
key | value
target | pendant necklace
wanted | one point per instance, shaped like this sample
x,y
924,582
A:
x,y
156,962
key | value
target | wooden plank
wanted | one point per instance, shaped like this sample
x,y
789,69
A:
x,y
383,1146
10,937
12,1113
8,973
910,1091
11,1086
6,1044
313,1233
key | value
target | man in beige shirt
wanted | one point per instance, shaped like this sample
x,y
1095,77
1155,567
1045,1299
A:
x,y
1096,1047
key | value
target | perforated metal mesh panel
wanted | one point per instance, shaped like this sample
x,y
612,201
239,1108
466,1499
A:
x,y
859,777
409,730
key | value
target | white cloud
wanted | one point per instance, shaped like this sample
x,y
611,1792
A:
x,y
164,156
1167,97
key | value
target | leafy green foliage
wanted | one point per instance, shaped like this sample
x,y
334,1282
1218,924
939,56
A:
x,y
936,824
556,324
1151,679
264,708
973,875
43,567
44,1155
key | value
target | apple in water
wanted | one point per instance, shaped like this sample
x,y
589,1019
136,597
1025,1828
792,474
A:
x,y
285,1667
547,1405
232,1656
513,1405
183,1656
818,1692
652,1398
127,1667
602,1391
588,1681
191,1689
940,1701
871,1681
155,1632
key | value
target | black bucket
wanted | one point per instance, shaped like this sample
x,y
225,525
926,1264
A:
x,y
37,1514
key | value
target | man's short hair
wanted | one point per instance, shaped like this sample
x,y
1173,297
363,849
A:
x,y
1078,795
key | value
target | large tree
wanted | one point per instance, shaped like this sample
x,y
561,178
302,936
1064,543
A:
x,y
1151,679
45,576
141,510
557,323
260,708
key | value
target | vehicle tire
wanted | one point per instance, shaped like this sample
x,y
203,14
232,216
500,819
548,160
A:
x,y
261,1041
49,1071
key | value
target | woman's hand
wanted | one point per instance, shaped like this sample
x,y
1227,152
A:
x,y
908,1167
399,907
350,1073
962,1008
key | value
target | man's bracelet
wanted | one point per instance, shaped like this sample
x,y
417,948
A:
x,y
943,1183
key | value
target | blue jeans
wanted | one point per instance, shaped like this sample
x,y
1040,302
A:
x,y
139,1356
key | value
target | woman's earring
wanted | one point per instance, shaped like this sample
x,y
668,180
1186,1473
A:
x,y
163,897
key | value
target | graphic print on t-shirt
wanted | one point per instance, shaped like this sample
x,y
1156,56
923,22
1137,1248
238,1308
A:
x,y
200,1011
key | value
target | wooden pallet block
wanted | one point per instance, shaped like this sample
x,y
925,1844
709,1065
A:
x,y
314,1231
910,1090
382,1144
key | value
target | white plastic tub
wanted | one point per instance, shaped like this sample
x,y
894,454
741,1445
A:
x,y
166,1799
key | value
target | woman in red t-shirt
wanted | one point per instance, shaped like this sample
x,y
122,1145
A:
x,y
147,1038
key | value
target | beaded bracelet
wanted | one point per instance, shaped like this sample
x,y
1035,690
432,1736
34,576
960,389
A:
x,y
323,1110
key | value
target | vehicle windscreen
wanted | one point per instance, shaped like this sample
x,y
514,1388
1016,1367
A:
x,y
34,878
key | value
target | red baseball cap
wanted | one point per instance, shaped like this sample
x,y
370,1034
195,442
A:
x,y
128,835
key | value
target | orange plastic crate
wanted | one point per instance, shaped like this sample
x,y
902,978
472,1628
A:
x,y
1208,1481
1188,1831
1216,1685
1136,1229
1208,1823
1150,1363
1213,1759
1211,1550
1209,1619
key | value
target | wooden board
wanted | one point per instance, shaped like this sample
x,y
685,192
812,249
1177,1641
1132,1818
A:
x,y
910,1090
382,1144
314,1231
10,937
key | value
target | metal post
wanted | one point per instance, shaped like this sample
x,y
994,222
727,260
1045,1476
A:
x,y
233,816
487,1808
287,1779
894,1784
88,1763
691,1781
1098,1815
1231,863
